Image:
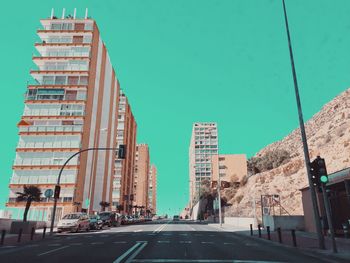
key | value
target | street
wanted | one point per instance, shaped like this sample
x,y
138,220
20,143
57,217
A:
x,y
161,241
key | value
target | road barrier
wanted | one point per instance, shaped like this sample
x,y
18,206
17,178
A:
x,y
3,233
44,232
32,233
19,235
279,234
294,238
268,233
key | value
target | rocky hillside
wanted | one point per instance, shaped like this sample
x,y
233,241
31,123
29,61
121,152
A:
x,y
328,134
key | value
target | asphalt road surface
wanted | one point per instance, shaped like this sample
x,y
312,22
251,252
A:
x,y
163,241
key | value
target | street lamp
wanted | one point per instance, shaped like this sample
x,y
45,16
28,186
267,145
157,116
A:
x,y
304,140
57,186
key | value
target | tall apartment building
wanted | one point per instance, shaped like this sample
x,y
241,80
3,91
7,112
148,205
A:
x,y
152,191
141,184
204,144
123,180
231,167
71,106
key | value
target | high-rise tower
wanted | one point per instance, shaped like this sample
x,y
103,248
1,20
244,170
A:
x,y
71,105
204,144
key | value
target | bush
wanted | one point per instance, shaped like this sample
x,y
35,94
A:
x,y
270,160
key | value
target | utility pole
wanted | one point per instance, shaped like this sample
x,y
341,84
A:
x,y
304,139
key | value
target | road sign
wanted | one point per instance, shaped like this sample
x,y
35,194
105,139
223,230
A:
x,y
48,193
87,202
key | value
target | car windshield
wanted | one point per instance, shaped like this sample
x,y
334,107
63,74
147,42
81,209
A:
x,y
71,216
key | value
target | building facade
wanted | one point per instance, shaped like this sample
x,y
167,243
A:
x,y
123,179
152,192
231,167
141,183
203,145
70,106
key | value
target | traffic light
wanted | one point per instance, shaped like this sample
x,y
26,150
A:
x,y
122,151
57,191
318,171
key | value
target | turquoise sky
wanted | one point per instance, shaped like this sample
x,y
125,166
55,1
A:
x,y
182,61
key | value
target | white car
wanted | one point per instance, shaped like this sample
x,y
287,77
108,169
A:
x,y
74,222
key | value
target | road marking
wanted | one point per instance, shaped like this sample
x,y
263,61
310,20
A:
x,y
186,242
138,230
8,246
97,243
198,235
138,250
54,245
163,241
130,250
76,244
251,244
53,250
207,242
119,242
228,243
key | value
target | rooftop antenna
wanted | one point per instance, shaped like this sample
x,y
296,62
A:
x,y
75,13
63,13
86,13
52,13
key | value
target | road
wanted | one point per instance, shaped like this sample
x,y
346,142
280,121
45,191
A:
x,y
163,241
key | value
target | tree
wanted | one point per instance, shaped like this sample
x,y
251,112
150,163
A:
x,y
30,194
120,208
104,204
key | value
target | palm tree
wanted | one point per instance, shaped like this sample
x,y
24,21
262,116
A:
x,y
30,194
104,204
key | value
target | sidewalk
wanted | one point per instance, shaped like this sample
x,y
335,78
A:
x,y
305,240
12,239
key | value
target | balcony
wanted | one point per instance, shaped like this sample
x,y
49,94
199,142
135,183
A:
x,y
48,144
53,129
52,112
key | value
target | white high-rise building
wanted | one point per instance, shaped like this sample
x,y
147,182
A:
x,y
204,144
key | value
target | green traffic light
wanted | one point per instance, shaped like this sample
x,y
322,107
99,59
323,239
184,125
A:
x,y
324,179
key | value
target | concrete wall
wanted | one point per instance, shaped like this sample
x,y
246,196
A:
x,y
5,224
284,222
243,222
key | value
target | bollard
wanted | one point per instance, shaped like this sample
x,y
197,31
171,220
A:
x,y
19,235
251,229
294,238
32,233
268,233
346,230
3,233
279,234
44,232
259,229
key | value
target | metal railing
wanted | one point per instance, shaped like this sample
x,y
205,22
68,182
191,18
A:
x,y
63,128
64,54
53,112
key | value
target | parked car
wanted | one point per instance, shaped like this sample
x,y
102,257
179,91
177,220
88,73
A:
x,y
95,222
124,220
107,218
176,218
74,222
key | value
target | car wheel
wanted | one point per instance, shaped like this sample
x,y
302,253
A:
x,y
78,229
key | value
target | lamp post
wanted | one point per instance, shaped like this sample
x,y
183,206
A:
x,y
304,140
57,186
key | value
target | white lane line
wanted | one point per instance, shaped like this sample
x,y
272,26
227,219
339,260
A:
x,y
186,242
138,250
97,243
163,241
50,251
76,244
119,259
228,243
207,242
119,242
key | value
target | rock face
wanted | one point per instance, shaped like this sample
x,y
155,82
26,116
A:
x,y
328,134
